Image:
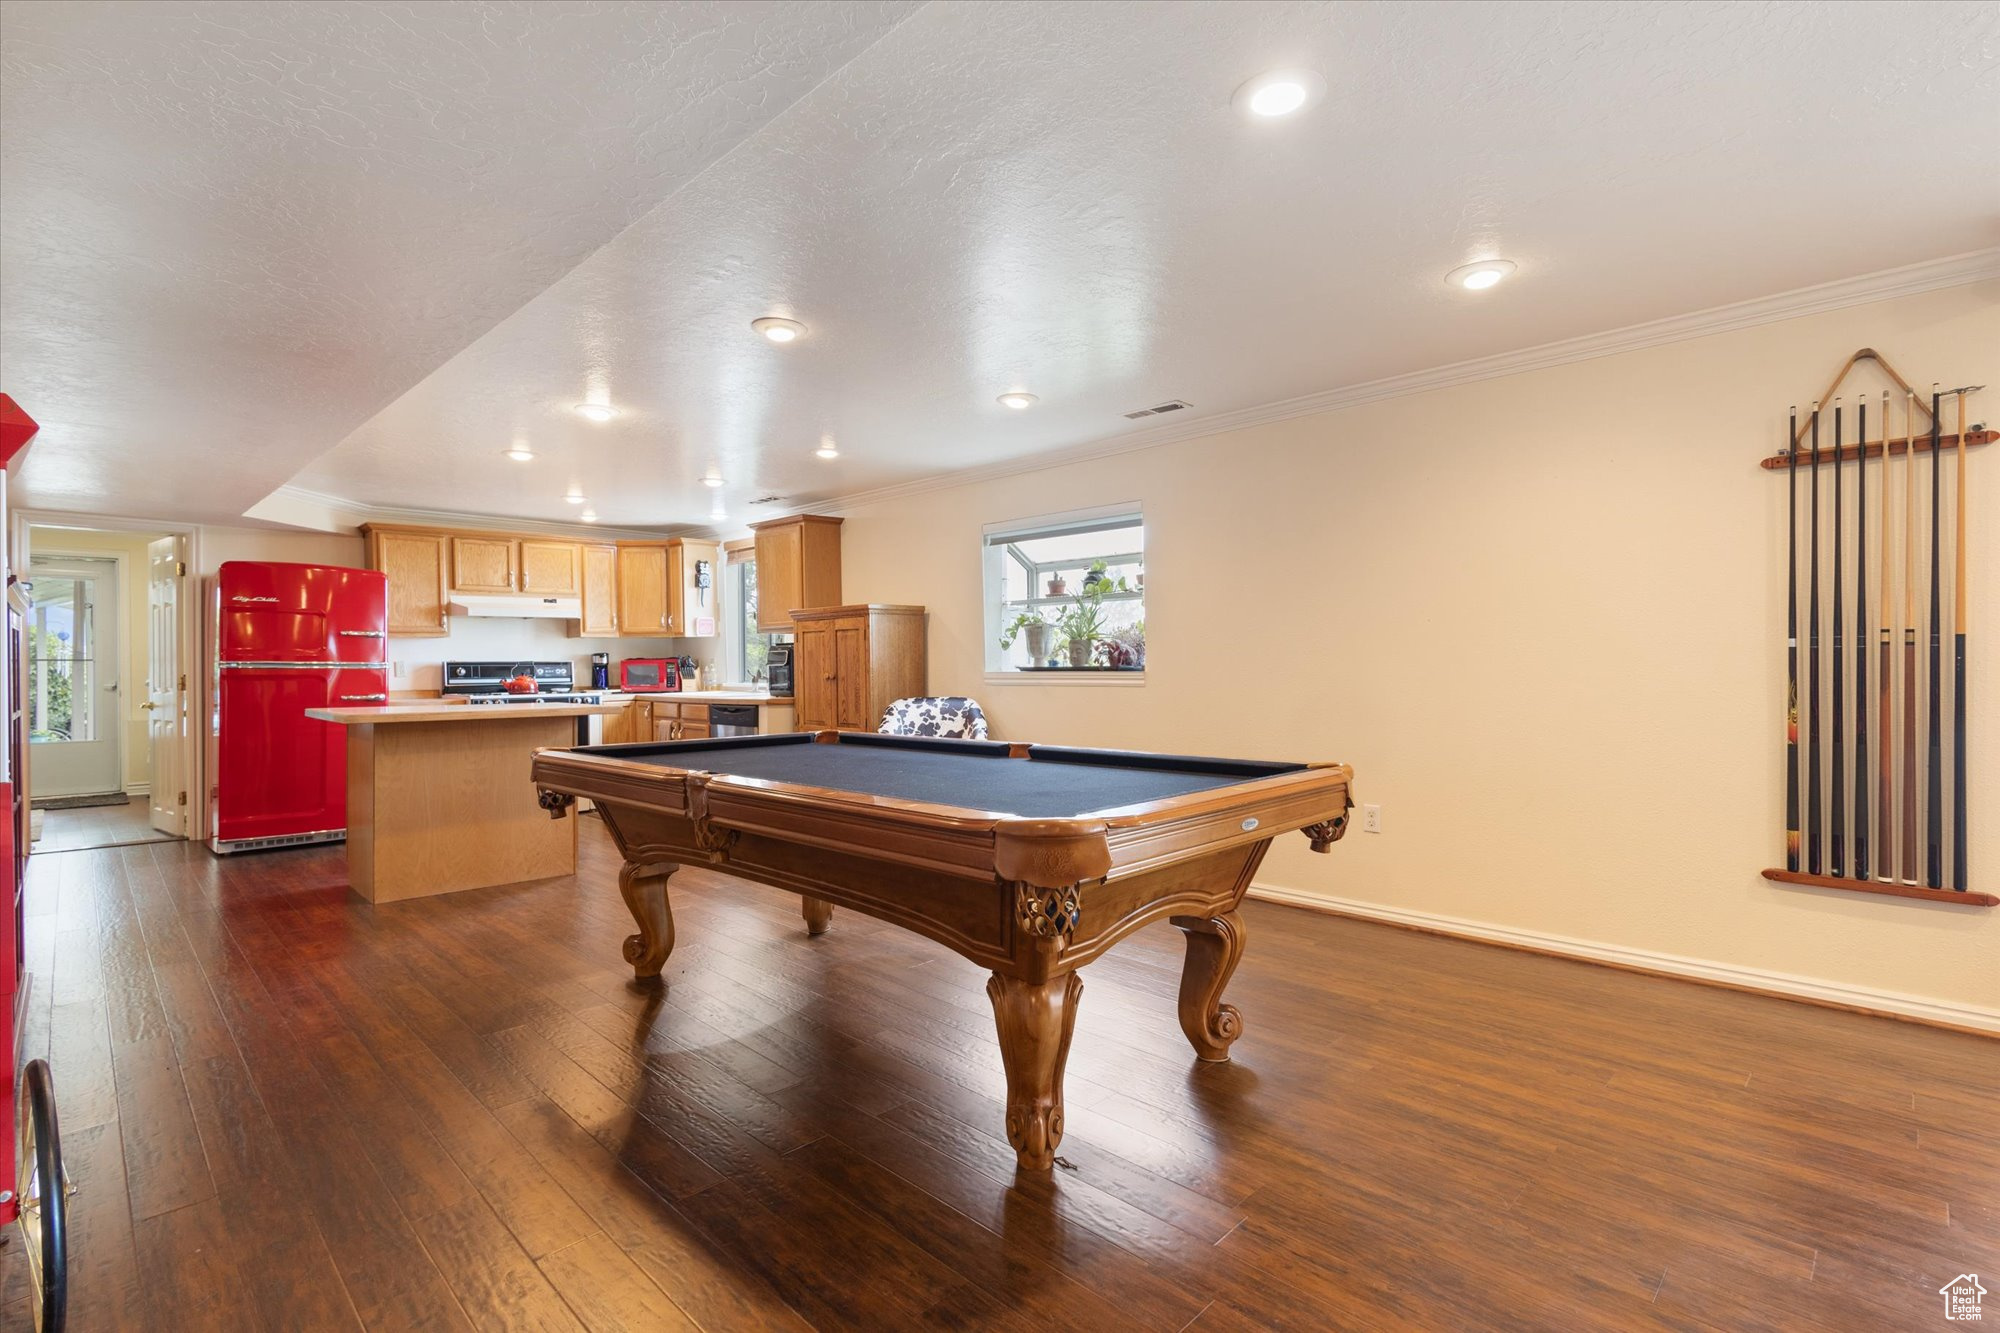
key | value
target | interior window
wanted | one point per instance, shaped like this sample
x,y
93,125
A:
x,y
1067,592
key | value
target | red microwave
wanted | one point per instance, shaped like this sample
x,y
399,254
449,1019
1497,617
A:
x,y
649,674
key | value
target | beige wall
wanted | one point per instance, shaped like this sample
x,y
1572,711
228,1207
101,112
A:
x,y
1542,616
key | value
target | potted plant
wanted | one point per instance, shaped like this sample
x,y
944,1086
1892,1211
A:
x,y
1125,650
1083,623
1057,587
1036,629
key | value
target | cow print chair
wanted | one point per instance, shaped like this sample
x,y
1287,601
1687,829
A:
x,y
947,715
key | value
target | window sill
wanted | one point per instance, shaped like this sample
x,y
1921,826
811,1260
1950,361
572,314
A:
x,y
1113,678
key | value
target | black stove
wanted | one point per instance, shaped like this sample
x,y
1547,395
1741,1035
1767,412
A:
x,y
486,683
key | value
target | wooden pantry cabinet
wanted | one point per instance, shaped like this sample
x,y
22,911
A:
x,y
850,662
798,565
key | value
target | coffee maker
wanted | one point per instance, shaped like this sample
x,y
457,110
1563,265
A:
x,y
600,671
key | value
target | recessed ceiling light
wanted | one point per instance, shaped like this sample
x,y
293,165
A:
x,y
1280,92
713,480
572,499
827,448
779,330
521,453
599,412
588,516
1478,277
1017,400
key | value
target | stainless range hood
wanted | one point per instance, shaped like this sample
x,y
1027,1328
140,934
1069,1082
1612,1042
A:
x,y
516,606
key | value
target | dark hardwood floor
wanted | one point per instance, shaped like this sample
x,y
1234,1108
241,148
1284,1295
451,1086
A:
x,y
285,1109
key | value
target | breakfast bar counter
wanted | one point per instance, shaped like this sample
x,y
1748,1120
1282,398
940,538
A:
x,y
439,797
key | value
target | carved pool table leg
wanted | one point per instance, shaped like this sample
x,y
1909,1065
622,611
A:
x,y
1035,1022
645,888
818,913
1214,945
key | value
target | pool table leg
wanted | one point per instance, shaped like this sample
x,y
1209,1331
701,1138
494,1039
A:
x,y
1214,945
819,914
644,885
1035,1021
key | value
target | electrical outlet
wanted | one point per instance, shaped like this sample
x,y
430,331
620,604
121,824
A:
x,y
1371,819
399,670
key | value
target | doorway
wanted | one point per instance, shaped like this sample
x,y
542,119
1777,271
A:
x,y
106,682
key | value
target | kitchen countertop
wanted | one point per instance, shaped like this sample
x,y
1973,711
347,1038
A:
x,y
455,712
750,697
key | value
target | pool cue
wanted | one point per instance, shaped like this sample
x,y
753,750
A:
x,y
1792,647
1885,796
1861,637
1813,803
1837,862
1934,787
1958,807
1907,838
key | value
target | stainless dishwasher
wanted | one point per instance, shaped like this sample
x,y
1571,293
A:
x,y
732,719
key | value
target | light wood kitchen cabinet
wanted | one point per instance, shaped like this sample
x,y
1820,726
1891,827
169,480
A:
x,y
551,568
850,662
600,592
798,565
484,564
642,589
419,570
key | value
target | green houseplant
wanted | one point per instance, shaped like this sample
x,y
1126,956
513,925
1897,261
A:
x,y
1083,624
1038,631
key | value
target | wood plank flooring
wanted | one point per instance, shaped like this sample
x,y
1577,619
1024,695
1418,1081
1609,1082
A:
x,y
285,1109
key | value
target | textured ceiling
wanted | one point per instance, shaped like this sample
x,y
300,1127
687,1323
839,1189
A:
x,y
231,233
981,197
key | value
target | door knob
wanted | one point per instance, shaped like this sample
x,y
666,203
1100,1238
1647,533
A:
x,y
149,705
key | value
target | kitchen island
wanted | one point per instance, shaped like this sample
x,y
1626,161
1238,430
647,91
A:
x,y
439,797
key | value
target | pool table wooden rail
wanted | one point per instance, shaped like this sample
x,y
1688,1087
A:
x,y
1032,900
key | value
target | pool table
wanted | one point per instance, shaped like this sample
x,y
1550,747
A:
x,y
1030,860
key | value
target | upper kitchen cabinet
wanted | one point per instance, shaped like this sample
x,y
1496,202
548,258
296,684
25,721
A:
x,y
643,602
600,592
551,568
798,567
700,581
484,564
419,569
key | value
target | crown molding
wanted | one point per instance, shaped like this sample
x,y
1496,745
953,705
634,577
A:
x,y
440,518
1887,285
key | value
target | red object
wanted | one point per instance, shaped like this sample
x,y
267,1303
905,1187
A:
x,y
289,638
651,674
16,429
521,685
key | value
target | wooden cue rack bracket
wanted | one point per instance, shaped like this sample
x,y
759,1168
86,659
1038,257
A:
x,y
1890,888
1894,881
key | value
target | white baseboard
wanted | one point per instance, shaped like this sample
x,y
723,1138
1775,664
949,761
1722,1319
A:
x,y
1892,1003
138,789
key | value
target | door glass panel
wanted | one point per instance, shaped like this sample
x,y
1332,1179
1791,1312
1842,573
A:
x,y
62,666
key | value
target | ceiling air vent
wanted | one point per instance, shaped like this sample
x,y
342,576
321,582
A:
x,y
1175,406
765,500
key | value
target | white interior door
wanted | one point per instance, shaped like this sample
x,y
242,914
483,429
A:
x,y
73,645
166,693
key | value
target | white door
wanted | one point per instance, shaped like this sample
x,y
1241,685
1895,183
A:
x,y
73,716
166,695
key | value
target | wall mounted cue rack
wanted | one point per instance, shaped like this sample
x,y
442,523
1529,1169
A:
x,y
1875,784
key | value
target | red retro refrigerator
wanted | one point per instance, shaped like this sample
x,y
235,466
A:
x,y
288,638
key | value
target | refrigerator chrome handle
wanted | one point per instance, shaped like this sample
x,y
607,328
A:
x,y
364,698
361,634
